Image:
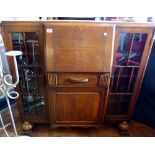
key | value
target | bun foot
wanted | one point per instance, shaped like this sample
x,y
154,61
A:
x,y
27,128
123,128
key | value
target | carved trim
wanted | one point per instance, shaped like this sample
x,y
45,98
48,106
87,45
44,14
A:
x,y
104,80
52,79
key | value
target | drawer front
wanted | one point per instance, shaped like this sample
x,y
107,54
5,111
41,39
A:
x,y
78,80
73,80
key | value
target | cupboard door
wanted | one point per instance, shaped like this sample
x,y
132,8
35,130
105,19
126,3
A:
x,y
74,108
29,40
132,47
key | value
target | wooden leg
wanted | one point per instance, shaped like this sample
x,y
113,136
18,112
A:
x,y
27,128
124,128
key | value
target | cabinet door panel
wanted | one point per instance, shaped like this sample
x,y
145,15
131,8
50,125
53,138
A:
x,y
28,38
79,48
76,107
132,48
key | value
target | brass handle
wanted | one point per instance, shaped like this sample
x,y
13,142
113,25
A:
x,y
78,80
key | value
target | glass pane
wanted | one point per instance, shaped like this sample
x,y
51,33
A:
x,y
113,84
118,104
17,41
124,103
41,83
113,105
124,79
34,105
120,80
28,102
39,105
32,85
123,84
137,49
18,44
124,46
28,43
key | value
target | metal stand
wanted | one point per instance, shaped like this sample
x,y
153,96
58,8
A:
x,y
33,42
7,89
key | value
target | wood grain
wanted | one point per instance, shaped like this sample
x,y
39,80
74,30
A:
x,y
79,48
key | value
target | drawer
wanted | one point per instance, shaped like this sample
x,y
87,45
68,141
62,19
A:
x,y
78,80
73,80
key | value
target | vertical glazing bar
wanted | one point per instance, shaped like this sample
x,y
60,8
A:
x,y
130,79
34,105
130,49
25,47
120,69
119,103
37,81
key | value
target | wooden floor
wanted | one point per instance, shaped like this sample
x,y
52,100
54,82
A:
x,y
43,130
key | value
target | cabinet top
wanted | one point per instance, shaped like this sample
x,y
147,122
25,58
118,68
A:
x,y
74,22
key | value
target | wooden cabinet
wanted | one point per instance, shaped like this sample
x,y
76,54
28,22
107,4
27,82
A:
x,y
79,73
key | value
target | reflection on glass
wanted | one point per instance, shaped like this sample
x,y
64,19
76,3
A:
x,y
39,105
137,49
123,79
17,40
32,43
113,105
18,44
28,103
33,105
124,45
28,43
130,48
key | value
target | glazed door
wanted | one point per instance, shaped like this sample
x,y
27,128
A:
x,y
29,40
132,48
